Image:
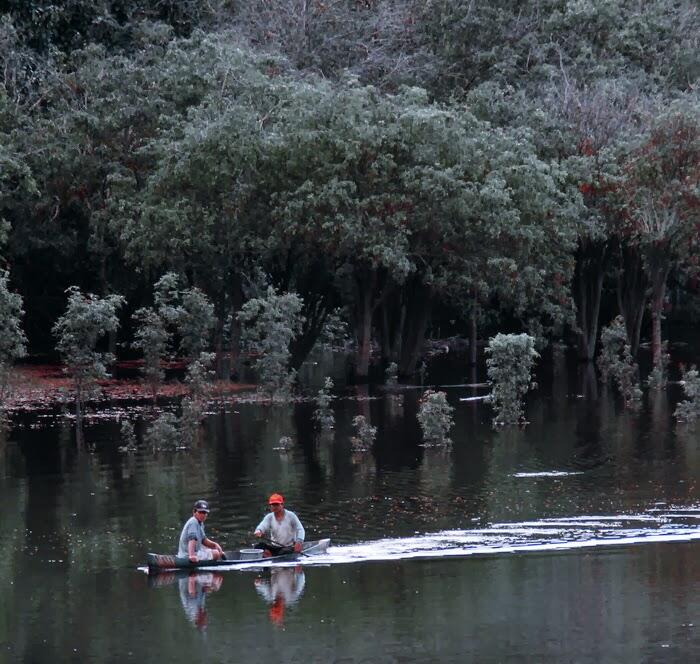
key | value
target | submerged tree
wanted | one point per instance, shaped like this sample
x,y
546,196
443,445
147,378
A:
x,y
86,320
163,433
153,340
511,358
435,418
689,409
13,343
616,362
127,436
323,414
270,323
364,436
198,379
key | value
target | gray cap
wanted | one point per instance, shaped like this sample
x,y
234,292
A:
x,y
201,506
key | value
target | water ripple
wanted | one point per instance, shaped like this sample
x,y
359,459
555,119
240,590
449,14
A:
x,y
670,525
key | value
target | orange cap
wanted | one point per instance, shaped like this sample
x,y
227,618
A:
x,y
275,498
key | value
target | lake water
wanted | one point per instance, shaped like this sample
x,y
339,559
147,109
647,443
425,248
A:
x,y
572,540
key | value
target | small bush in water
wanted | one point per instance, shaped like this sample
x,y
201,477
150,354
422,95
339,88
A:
x,y
435,418
128,437
163,434
365,434
689,410
511,358
616,362
391,375
323,415
190,420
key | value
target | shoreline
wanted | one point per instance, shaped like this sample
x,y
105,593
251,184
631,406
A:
x,y
40,386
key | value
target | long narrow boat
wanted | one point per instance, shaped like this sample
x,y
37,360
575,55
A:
x,y
162,562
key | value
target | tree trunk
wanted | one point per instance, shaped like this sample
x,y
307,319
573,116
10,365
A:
x,y
393,320
315,312
658,293
632,287
363,316
473,329
417,318
589,275
79,415
235,299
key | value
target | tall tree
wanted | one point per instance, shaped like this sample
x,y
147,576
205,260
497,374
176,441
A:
x,y
664,203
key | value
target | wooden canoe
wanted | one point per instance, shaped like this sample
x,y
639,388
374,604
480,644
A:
x,y
162,562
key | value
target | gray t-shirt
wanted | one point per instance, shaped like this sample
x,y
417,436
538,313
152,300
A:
x,y
192,530
284,532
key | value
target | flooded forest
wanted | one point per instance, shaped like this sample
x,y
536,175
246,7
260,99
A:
x,y
429,269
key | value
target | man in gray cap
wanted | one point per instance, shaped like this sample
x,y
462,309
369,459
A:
x,y
194,544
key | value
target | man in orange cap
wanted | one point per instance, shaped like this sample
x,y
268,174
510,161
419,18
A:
x,y
282,527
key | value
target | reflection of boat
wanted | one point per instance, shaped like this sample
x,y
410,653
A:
x,y
283,588
158,562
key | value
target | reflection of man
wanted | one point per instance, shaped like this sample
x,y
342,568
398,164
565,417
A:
x,y
194,544
193,591
284,588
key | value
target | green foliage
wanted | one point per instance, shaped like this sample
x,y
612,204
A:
x,y
615,362
127,437
364,436
526,43
189,312
163,434
509,366
198,379
166,295
323,414
139,137
13,343
334,333
689,410
270,324
435,418
153,339
378,42
86,320
190,420
199,376
195,322
71,24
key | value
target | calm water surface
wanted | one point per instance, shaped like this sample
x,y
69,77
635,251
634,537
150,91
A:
x,y
573,540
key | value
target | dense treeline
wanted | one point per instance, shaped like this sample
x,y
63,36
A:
x,y
516,161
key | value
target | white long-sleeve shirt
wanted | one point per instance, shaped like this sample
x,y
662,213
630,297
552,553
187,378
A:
x,y
285,532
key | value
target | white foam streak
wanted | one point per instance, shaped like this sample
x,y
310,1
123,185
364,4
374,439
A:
x,y
549,473
675,524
